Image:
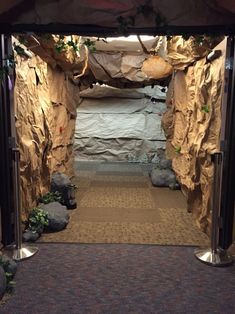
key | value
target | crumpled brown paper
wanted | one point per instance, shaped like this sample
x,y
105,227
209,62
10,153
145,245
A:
x,y
194,118
45,107
156,67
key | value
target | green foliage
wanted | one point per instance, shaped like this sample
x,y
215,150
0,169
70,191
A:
x,y
74,45
206,108
19,50
50,197
90,45
38,220
60,45
9,276
178,149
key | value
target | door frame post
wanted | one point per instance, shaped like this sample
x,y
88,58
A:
x,y
6,105
228,149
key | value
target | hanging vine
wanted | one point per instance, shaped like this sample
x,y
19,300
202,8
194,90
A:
x,y
60,45
76,76
152,51
63,44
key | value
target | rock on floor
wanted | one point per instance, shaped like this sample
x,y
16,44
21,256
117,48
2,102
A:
x,y
10,265
29,236
61,183
163,177
57,215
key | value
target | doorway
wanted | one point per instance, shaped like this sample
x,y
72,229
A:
x,y
38,78
65,116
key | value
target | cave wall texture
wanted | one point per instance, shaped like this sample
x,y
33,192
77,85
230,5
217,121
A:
x,y
192,124
45,107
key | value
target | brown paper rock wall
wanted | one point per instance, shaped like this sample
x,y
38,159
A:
x,y
45,120
64,97
192,124
33,128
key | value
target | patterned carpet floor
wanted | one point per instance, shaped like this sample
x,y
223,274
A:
x,y
118,204
119,279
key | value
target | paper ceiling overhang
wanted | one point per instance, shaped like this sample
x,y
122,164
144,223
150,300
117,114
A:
x,y
83,13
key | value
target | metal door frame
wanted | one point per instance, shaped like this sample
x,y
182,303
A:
x,y
6,116
228,149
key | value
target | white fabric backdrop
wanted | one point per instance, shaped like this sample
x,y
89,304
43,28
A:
x,y
119,128
119,125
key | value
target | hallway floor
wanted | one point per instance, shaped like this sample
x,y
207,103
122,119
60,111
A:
x,y
119,279
118,204
95,278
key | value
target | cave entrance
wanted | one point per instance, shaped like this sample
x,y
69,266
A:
x,y
60,134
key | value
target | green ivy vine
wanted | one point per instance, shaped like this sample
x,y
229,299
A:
x,y
206,108
50,197
38,220
62,45
90,45
178,149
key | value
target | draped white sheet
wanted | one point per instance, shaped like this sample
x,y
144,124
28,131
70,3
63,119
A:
x,y
119,128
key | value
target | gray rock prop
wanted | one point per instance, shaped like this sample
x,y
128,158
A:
x,y
61,183
57,215
29,236
163,175
161,160
10,265
3,282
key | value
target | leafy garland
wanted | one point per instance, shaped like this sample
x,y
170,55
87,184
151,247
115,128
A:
x,y
147,10
90,45
62,45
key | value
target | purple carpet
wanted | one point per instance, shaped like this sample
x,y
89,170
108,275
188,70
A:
x,y
120,278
